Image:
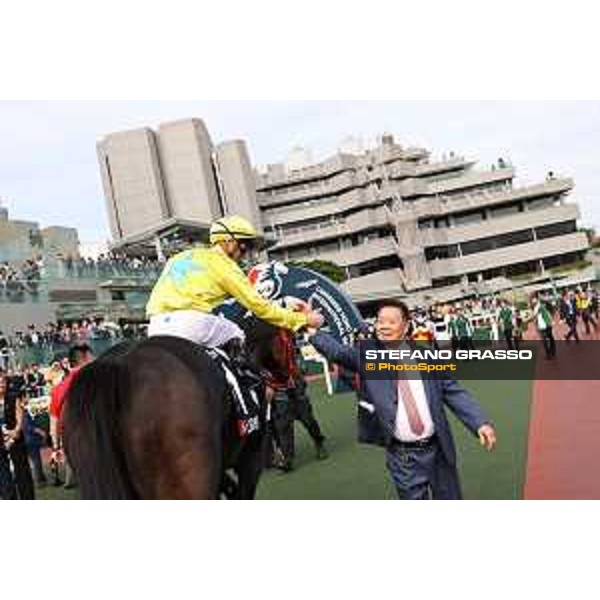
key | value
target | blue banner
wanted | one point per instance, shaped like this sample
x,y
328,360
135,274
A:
x,y
288,284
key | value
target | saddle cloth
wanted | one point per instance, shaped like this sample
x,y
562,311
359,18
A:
x,y
243,385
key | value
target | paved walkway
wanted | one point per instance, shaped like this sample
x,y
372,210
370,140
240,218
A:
x,y
564,434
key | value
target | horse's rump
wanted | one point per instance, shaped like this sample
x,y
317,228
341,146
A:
x,y
145,421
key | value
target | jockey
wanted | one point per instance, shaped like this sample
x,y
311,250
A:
x,y
196,281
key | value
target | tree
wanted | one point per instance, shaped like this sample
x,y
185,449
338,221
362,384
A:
x,y
591,234
324,267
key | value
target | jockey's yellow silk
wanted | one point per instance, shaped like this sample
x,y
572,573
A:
x,y
203,278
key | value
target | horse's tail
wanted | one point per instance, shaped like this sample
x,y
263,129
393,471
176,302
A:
x,y
93,429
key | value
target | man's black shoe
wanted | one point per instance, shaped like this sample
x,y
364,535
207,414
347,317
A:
x,y
322,453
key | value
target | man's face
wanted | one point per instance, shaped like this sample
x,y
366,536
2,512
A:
x,y
232,249
237,250
390,324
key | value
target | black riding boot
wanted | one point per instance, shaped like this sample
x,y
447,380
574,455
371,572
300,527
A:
x,y
240,363
247,407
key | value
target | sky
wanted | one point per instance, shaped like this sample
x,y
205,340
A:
x,y
49,171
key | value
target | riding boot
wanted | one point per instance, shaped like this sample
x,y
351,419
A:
x,y
240,363
246,396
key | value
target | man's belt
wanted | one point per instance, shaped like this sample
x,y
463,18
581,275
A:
x,y
425,444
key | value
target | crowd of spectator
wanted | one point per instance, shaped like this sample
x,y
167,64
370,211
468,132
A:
x,y
28,426
501,320
22,278
110,265
28,429
505,320
19,278
55,338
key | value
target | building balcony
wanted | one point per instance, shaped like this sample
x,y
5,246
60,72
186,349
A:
x,y
352,255
498,225
414,187
435,168
334,185
361,221
411,188
481,261
321,207
439,206
471,179
404,169
278,176
389,153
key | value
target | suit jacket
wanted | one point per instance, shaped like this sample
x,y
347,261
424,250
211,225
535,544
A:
x,y
378,425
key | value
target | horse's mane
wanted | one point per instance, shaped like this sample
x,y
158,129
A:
x,y
257,331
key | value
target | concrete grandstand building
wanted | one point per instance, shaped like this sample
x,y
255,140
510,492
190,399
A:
x,y
171,183
397,221
403,225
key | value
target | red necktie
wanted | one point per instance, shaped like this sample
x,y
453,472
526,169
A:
x,y
410,405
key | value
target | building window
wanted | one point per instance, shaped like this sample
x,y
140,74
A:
x,y
555,229
500,241
563,259
469,218
299,253
376,265
524,268
446,281
327,247
506,210
441,252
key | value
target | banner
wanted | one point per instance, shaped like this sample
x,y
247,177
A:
x,y
286,285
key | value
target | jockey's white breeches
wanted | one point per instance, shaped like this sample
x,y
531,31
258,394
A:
x,y
208,330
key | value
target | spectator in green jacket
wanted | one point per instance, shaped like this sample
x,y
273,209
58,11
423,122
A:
x,y
543,321
506,317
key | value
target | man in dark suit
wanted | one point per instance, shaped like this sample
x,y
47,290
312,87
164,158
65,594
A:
x,y
407,417
8,490
568,312
16,451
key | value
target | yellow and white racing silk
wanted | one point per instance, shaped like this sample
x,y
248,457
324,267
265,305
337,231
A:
x,y
201,279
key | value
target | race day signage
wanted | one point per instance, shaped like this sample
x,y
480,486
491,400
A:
x,y
286,285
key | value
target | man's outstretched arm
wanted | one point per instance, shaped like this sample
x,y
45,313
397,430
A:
x,y
335,352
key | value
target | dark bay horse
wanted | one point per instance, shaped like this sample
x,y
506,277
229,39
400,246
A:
x,y
152,420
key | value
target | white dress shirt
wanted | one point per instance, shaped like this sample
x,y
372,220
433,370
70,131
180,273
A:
x,y
403,432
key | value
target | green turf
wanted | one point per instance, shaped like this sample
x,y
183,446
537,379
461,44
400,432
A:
x,y
55,493
355,471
